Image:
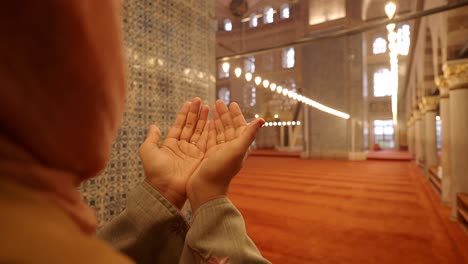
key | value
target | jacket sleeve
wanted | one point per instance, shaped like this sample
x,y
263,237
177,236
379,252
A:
x,y
149,230
218,235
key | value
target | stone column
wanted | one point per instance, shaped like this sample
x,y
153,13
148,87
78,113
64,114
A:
x,y
413,136
418,132
430,104
306,153
410,125
408,135
456,73
444,109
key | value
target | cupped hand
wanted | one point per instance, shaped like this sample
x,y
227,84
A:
x,y
229,139
168,166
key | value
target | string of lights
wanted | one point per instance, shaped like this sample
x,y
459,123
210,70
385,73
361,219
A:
x,y
286,92
283,123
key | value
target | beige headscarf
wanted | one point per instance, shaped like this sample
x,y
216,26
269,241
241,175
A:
x,y
62,91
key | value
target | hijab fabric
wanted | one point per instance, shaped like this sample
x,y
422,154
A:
x,y
62,91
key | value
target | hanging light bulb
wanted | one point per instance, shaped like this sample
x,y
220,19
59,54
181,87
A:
x,y
258,80
298,123
266,83
285,92
293,123
238,72
390,9
391,27
257,116
248,76
279,89
276,116
288,123
273,87
226,66
290,94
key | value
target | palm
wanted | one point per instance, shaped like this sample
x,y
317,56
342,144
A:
x,y
169,166
174,162
229,138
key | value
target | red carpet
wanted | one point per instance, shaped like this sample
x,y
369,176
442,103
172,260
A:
x,y
307,211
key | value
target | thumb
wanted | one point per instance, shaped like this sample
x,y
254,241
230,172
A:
x,y
154,135
250,131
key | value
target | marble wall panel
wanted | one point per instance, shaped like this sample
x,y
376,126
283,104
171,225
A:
x,y
170,49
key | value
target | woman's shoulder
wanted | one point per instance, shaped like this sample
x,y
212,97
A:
x,y
34,230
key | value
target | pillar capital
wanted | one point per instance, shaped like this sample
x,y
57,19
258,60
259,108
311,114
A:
x,y
416,115
410,121
430,103
443,85
421,107
456,74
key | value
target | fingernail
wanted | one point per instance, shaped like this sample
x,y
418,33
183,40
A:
x,y
261,123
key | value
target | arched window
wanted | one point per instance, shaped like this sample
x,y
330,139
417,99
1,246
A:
x,y
225,95
384,133
250,95
253,22
284,13
268,15
224,70
382,82
403,39
227,25
379,46
439,132
288,58
249,64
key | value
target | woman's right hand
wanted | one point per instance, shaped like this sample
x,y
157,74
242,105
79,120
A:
x,y
229,139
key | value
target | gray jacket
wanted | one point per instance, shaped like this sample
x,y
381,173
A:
x,y
152,230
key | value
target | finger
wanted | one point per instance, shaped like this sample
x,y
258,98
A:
x,y
151,141
154,135
226,120
176,129
200,124
191,121
248,136
203,140
219,126
211,135
237,118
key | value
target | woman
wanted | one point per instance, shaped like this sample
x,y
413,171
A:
x,y
62,92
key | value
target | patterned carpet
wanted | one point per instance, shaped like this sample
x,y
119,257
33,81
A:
x,y
324,211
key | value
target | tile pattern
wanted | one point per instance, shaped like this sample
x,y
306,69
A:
x,y
170,48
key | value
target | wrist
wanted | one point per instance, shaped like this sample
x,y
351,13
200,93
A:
x,y
200,196
173,197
